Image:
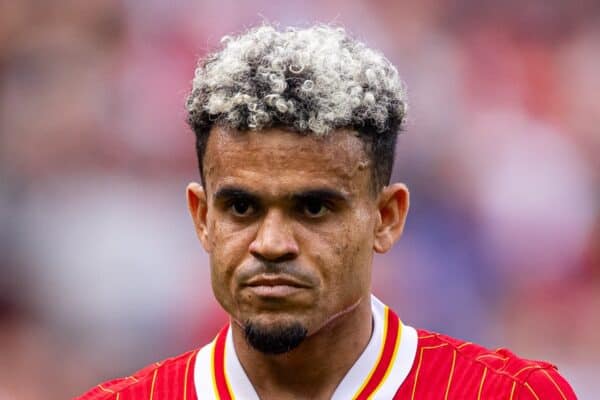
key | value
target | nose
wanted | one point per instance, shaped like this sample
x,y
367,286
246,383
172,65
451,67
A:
x,y
274,240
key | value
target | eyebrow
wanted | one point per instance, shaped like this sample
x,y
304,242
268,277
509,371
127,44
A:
x,y
232,192
320,194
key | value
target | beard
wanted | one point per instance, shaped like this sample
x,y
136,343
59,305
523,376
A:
x,y
275,340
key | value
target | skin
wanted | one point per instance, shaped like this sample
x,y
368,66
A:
x,y
290,223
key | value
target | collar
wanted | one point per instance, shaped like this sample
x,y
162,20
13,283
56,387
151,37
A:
x,y
377,374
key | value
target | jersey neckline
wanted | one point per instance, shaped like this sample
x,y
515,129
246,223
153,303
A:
x,y
377,374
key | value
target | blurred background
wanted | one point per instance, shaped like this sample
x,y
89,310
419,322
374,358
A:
x,y
100,270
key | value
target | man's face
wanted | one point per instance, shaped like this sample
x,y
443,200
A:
x,y
289,222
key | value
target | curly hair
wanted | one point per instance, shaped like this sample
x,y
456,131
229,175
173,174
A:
x,y
307,80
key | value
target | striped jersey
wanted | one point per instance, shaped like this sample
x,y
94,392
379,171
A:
x,y
399,362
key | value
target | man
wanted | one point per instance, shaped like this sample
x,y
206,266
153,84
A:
x,y
295,135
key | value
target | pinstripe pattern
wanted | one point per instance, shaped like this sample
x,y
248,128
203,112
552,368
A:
x,y
451,369
442,367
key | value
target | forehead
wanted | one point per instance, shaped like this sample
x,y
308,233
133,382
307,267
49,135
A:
x,y
276,159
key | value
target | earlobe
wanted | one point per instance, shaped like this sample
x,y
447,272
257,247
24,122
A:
x,y
198,208
393,207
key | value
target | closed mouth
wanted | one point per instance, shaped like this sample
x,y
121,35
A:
x,y
274,280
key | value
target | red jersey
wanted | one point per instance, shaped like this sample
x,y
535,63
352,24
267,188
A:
x,y
399,362
446,368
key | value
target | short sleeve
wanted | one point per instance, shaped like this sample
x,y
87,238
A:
x,y
546,384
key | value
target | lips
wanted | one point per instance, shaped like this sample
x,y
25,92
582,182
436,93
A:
x,y
275,280
275,286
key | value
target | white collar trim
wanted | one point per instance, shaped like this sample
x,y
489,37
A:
x,y
242,389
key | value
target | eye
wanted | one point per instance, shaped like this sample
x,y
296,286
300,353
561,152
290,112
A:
x,y
314,208
242,208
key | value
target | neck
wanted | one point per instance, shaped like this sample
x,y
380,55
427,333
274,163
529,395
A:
x,y
316,367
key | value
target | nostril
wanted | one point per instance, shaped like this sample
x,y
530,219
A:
x,y
274,249
279,259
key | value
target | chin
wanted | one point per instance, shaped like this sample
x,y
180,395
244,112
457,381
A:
x,y
274,338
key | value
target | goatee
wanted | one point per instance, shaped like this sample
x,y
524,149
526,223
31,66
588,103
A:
x,y
274,340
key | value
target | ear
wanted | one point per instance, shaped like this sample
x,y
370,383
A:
x,y
198,207
393,207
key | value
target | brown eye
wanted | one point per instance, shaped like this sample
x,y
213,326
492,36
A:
x,y
314,208
241,208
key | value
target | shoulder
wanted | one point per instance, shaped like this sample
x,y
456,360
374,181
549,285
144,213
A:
x,y
546,383
464,368
171,378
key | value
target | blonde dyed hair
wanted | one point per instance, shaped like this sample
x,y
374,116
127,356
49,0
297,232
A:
x,y
315,80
